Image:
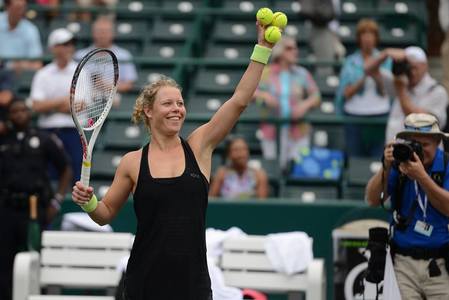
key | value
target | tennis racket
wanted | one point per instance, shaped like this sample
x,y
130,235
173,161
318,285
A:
x,y
91,96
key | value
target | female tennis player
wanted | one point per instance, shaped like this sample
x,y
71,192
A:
x,y
169,179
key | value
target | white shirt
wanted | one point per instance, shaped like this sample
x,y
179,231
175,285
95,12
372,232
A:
x,y
426,94
51,82
368,103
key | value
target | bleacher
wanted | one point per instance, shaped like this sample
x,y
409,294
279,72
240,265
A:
x,y
205,46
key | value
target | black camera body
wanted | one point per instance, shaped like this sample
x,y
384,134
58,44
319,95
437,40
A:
x,y
403,151
401,67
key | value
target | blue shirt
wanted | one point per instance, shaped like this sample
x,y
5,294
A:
x,y
22,42
409,237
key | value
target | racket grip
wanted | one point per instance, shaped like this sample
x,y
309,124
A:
x,y
85,173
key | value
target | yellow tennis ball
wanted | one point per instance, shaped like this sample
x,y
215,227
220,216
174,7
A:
x,y
272,34
264,15
279,19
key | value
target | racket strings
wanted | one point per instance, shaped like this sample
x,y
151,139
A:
x,y
94,90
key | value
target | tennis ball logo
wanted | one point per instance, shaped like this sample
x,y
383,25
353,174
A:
x,y
273,34
279,19
264,16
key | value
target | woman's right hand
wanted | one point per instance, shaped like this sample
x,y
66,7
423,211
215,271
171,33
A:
x,y
388,155
81,194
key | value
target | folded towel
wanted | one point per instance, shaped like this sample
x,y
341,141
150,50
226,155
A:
x,y
289,252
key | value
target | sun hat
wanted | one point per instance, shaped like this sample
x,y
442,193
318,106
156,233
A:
x,y
420,123
59,36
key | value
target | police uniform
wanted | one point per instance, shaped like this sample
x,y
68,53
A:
x,y
24,159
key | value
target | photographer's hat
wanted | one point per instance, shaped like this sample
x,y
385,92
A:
x,y
415,54
424,124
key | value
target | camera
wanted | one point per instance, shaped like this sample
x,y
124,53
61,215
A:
x,y
401,67
403,151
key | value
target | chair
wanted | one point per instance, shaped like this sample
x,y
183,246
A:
x,y
360,170
237,6
249,133
234,31
205,104
329,136
217,80
226,52
166,50
104,164
149,75
123,135
308,193
171,30
328,84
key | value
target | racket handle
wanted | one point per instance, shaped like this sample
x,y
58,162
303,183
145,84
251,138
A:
x,y
85,173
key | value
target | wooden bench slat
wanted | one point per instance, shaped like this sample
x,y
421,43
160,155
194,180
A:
x,y
244,261
72,277
82,257
92,240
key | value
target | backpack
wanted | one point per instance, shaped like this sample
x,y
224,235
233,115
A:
x,y
319,12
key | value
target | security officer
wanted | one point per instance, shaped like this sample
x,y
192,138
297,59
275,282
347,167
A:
x,y
419,188
24,155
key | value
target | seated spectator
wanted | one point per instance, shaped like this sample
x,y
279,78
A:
x,y
363,94
19,37
50,96
6,97
238,180
103,36
286,90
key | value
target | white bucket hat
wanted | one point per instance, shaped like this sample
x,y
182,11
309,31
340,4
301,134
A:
x,y
424,124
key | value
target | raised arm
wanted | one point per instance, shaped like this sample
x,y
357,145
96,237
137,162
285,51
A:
x,y
208,136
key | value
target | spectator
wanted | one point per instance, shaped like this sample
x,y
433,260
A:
x,y
287,91
6,97
444,22
50,95
237,179
20,38
103,35
410,83
24,155
363,94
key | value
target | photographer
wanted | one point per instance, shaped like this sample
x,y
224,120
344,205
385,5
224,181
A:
x,y
410,83
415,176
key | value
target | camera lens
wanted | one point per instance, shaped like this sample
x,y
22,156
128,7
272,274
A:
x,y
402,152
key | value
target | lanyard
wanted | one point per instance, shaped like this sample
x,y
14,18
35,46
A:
x,y
422,205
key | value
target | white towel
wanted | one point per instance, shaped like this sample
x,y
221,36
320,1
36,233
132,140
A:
x,y
289,252
214,242
391,288
78,221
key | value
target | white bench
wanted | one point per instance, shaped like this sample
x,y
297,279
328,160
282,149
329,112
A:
x,y
71,260
245,265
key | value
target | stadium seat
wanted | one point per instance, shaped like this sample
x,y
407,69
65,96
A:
x,y
171,30
249,132
234,31
206,104
149,75
227,52
104,164
183,7
328,84
360,170
291,8
100,187
309,193
346,32
164,50
328,136
244,6
299,31
355,9
399,35
124,135
215,80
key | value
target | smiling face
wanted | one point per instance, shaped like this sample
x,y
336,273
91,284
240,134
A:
x,y
167,113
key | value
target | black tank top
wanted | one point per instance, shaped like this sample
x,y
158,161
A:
x,y
168,257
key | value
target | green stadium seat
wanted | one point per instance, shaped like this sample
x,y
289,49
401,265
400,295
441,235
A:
x,y
124,135
360,170
81,30
291,8
328,136
131,30
100,187
104,164
135,48
307,193
299,31
249,132
125,107
399,35
182,7
354,193
171,30
228,52
215,80
251,6
166,50
206,104
146,76
355,9
398,8
234,31
347,33
328,84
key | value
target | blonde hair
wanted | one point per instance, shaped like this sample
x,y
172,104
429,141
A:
x,y
367,25
280,46
148,96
